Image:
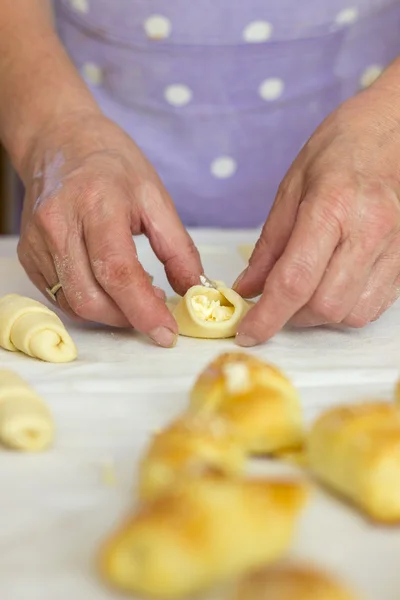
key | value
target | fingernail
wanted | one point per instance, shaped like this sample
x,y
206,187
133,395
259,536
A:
x,y
239,279
164,337
246,340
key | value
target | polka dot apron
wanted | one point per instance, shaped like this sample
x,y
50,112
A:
x,y
222,94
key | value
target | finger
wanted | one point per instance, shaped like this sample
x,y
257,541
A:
x,y
392,297
342,284
172,244
116,267
39,267
379,292
34,274
83,293
273,240
295,276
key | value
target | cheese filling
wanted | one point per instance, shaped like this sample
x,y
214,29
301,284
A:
x,y
237,378
211,310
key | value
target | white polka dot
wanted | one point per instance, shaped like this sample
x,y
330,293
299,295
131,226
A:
x,y
92,73
157,27
257,31
81,6
223,167
347,16
370,75
178,94
271,89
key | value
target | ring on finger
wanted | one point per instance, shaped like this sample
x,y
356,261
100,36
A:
x,y
52,292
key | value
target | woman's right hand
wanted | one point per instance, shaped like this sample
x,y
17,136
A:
x,y
88,189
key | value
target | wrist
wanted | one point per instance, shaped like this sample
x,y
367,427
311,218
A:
x,y
34,98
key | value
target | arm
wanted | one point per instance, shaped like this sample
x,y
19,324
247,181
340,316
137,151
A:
x,y
38,81
88,187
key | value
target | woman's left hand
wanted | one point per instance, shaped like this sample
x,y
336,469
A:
x,y
330,249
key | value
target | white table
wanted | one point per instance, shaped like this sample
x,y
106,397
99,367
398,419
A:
x,y
56,507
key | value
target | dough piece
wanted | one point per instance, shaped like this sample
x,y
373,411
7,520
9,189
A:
x,y
256,399
34,329
25,421
207,530
205,312
290,583
245,251
356,451
189,447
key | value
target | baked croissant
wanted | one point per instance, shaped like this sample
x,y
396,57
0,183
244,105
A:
x,y
34,329
205,312
397,392
189,447
205,531
256,399
290,583
25,421
356,451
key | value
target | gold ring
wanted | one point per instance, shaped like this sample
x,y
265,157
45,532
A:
x,y
53,291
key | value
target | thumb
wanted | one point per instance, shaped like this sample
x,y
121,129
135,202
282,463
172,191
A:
x,y
173,246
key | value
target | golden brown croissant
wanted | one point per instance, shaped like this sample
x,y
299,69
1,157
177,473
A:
x,y
257,400
207,530
356,451
289,582
188,447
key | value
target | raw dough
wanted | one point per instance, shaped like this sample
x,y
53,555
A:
x,y
205,531
256,399
189,447
356,451
34,329
290,582
245,251
205,312
25,421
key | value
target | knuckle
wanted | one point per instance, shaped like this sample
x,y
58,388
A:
x,y
330,310
383,217
359,318
85,309
113,271
25,248
327,211
22,253
357,321
295,281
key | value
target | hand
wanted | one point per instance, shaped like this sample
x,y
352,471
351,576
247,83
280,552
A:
x,y
329,252
89,188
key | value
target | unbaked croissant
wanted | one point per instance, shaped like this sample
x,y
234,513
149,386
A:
x,y
188,447
256,399
356,451
34,329
207,530
290,582
25,421
205,312
245,251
